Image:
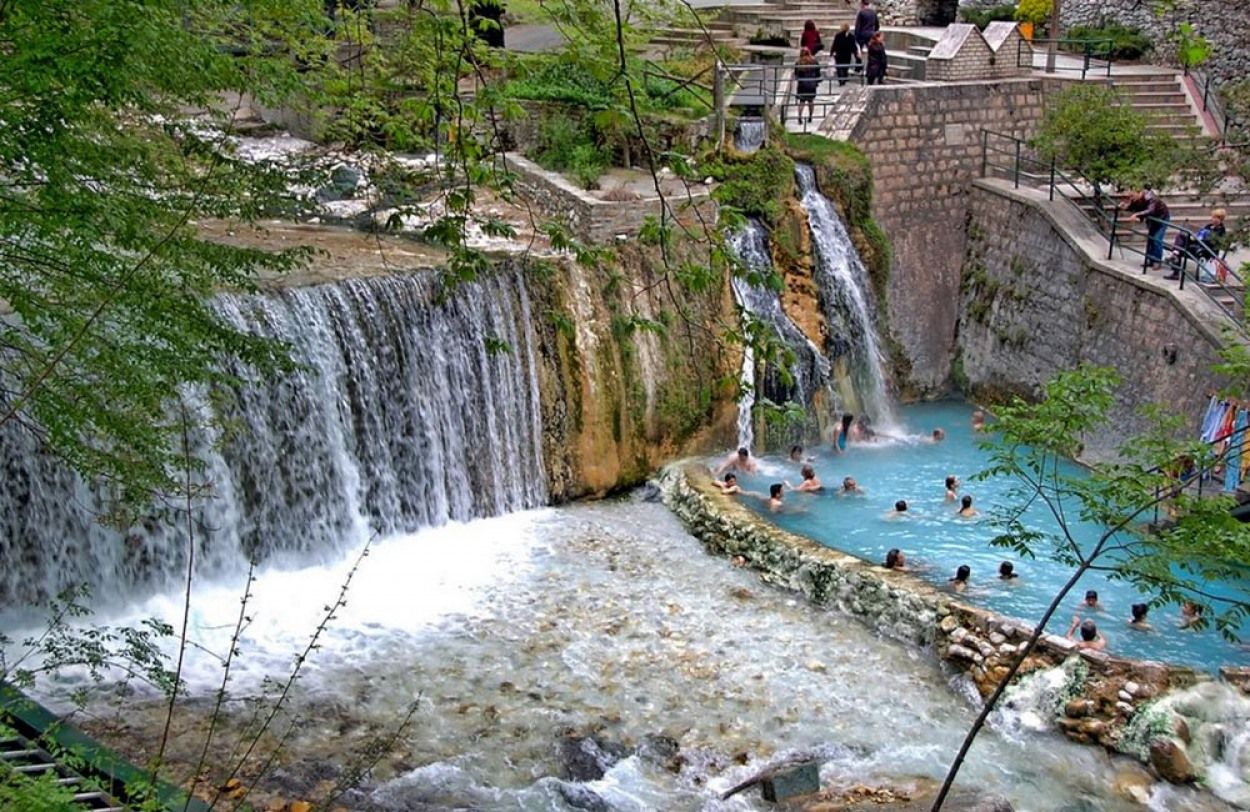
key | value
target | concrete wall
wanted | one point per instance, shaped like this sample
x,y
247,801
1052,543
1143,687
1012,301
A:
x,y
924,143
1038,297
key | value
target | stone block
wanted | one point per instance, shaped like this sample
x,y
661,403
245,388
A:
x,y
801,779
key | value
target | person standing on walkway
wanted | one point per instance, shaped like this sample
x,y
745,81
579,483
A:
x,y
1146,206
811,38
866,23
844,50
877,65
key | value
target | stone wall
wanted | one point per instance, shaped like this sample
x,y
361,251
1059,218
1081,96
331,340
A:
x,y
1223,22
924,143
964,54
1125,705
590,218
1039,297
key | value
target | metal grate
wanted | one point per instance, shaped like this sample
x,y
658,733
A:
x,y
21,755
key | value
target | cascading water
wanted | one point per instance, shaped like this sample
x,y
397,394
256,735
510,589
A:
x,y
405,411
749,135
810,370
847,302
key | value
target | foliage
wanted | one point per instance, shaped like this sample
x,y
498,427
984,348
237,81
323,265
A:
x,y
1088,129
100,190
1034,11
40,793
1110,41
982,17
1192,49
558,80
568,145
776,39
752,185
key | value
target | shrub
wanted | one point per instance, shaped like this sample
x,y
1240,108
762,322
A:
x,y
984,16
1034,11
555,80
566,144
762,37
1122,42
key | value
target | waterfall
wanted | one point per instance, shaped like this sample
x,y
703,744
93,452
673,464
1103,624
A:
x,y
810,371
405,411
749,134
847,301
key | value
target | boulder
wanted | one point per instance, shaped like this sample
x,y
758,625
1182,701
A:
x,y
1171,762
587,758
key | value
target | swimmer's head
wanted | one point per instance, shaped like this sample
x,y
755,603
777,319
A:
x,y
1091,597
893,558
808,472
1139,611
1089,631
966,502
1006,570
900,506
796,451
743,453
938,435
774,490
963,573
951,482
730,478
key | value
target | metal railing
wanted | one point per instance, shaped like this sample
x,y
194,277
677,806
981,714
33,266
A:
x,y
1012,158
1211,104
775,88
1095,54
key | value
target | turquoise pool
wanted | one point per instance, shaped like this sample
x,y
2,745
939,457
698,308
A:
x,y
936,540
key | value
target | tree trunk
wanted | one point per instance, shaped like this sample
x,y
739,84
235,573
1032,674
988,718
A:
x,y
1053,36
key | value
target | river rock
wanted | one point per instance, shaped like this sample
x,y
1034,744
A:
x,y
1170,761
587,758
579,797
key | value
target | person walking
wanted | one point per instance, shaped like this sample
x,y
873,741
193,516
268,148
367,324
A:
x,y
843,50
877,61
807,78
866,23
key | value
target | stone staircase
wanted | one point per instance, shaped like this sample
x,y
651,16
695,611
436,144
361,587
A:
x,y
1162,99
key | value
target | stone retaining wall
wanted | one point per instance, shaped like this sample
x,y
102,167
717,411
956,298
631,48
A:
x,y
1038,297
1105,700
591,219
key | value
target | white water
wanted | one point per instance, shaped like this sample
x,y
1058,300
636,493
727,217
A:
x,y
847,299
608,618
749,136
400,416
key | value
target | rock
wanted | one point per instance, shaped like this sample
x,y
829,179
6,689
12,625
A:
x,y
344,181
959,634
1132,783
1181,728
997,638
299,806
587,758
1077,708
1125,696
1125,708
579,797
816,666
664,751
1132,687
961,653
1170,761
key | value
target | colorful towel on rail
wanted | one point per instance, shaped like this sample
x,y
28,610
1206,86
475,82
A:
x,y
1232,466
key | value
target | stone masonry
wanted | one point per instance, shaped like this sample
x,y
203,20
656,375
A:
x,y
1038,297
965,54
1223,22
924,143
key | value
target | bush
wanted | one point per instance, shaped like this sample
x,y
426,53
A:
x,y
762,37
1034,11
1125,43
556,80
983,17
566,144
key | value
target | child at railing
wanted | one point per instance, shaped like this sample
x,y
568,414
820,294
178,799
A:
x,y
1204,247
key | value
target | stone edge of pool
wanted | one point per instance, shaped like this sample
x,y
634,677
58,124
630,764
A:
x,y
1113,697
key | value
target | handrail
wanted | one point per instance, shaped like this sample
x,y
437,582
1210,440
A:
x,y
1105,215
1088,49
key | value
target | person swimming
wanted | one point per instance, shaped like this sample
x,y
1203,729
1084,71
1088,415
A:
x,y
796,453
775,492
730,484
960,582
850,487
1090,601
895,560
1007,571
1139,621
899,512
952,488
810,483
978,420
843,436
1090,638
938,435
1191,615
966,510
739,461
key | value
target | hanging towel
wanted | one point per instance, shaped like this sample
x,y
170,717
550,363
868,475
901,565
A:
x,y
1210,419
1232,466
1217,420
1226,425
